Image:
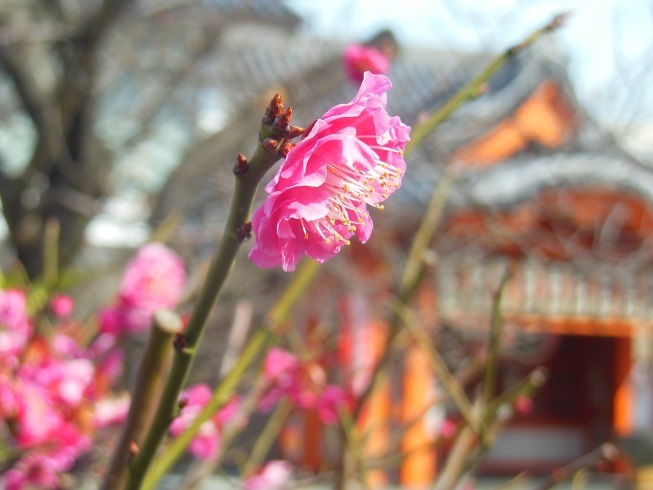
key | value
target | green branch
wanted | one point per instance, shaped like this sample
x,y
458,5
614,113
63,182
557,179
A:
x,y
145,394
236,231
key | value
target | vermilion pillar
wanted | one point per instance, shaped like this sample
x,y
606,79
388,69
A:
x,y
419,466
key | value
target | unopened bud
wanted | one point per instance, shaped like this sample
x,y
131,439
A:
x,y
273,110
180,343
283,120
183,401
244,232
241,165
293,132
270,144
286,147
133,449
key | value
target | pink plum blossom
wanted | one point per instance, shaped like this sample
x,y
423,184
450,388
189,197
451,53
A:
x,y
358,59
36,419
34,471
41,468
111,410
523,405
53,394
448,428
62,305
349,159
328,403
153,280
15,326
304,384
65,346
206,444
275,475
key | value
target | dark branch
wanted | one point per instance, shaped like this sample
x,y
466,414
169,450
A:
x,y
36,107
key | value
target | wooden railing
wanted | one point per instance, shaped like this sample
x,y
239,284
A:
x,y
545,292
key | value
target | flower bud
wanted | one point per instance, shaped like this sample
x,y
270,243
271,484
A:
x,y
286,147
273,110
244,232
293,132
270,144
283,120
241,164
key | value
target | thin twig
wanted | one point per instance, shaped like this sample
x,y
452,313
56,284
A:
x,y
449,382
605,452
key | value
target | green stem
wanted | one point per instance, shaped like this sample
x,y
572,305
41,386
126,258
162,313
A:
x,y
411,279
470,446
241,204
533,381
265,440
220,397
492,366
277,316
448,380
354,446
146,392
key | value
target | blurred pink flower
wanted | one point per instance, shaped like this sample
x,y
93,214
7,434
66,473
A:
x,y
330,400
15,326
448,428
110,410
34,471
523,404
358,59
65,346
50,396
41,468
62,305
304,384
275,475
36,419
67,380
280,367
318,199
153,280
8,400
206,444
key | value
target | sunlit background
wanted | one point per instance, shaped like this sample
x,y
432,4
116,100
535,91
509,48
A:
x,y
607,41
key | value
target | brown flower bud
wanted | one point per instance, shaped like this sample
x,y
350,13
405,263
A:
x,y
293,132
286,147
270,144
244,232
283,120
241,164
183,401
275,107
180,342
133,449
